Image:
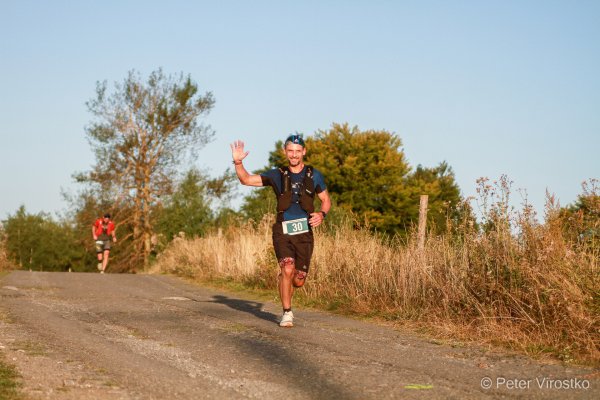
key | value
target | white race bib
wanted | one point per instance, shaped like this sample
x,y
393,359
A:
x,y
295,226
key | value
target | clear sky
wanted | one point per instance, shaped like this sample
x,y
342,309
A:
x,y
491,87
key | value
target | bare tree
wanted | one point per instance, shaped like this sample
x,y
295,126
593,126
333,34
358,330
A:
x,y
141,133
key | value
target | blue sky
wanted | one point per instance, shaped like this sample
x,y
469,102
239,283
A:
x,y
491,87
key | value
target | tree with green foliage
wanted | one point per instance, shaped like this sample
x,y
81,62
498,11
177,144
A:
x,y
366,174
444,194
37,242
5,261
189,210
141,135
258,203
581,220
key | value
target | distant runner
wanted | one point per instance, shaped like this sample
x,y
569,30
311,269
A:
x,y
295,187
103,232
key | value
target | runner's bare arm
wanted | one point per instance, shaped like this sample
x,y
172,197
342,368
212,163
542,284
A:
x,y
238,154
317,218
94,232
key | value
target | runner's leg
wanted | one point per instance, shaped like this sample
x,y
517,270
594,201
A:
x,y
99,255
285,281
303,245
299,278
105,260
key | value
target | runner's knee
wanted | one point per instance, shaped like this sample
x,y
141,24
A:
x,y
297,284
299,279
287,266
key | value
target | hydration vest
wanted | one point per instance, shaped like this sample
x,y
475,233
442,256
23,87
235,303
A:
x,y
307,192
104,229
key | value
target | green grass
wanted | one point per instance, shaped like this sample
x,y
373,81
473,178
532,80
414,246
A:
x,y
9,382
30,348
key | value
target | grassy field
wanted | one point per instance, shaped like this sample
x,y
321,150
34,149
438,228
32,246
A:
x,y
8,382
504,280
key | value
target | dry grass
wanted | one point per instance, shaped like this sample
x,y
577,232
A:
x,y
509,280
237,252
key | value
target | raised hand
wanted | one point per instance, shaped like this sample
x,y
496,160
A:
x,y
237,151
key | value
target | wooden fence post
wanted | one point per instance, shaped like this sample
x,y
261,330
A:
x,y
422,220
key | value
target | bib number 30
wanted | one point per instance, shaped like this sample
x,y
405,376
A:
x,y
295,226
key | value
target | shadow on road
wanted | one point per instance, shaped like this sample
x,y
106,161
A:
x,y
251,307
296,368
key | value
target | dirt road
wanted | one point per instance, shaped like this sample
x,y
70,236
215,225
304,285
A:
x,y
93,336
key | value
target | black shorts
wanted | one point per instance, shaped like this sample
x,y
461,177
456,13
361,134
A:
x,y
299,247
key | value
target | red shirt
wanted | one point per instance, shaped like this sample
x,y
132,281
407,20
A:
x,y
102,228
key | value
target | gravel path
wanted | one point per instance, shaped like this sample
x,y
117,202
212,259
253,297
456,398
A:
x,y
93,336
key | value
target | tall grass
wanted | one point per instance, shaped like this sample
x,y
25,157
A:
x,y
505,279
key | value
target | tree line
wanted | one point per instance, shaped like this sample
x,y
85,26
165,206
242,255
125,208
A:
x,y
144,131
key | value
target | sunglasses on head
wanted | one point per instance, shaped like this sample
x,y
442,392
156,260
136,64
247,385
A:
x,y
295,139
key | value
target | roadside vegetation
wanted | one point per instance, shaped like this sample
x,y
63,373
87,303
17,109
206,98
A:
x,y
5,264
9,382
501,279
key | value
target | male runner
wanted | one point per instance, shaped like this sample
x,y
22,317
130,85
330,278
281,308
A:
x,y
295,187
102,232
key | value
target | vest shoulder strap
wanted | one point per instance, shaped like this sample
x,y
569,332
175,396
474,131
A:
x,y
309,171
286,180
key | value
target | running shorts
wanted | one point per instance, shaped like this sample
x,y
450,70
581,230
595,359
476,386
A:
x,y
102,245
299,247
